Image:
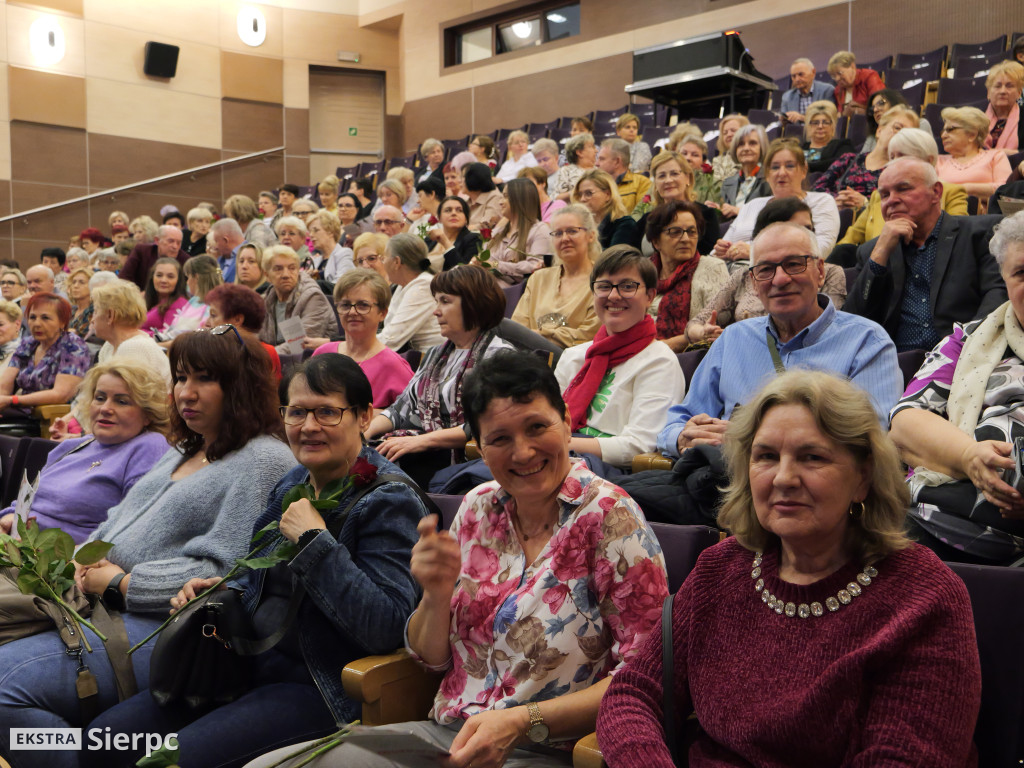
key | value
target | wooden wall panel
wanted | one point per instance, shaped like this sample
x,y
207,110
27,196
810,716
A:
x,y
134,111
296,131
250,126
253,78
64,103
68,7
108,166
48,154
165,21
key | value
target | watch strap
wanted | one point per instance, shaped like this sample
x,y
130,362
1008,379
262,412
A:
x,y
307,537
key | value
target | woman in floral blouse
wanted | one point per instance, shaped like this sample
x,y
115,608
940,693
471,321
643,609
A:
x,y
549,579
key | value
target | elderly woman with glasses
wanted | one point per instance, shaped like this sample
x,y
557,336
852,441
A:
x,y
821,147
968,161
1005,128
853,86
368,252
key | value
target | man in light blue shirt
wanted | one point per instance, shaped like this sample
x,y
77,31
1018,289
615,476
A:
x,y
805,91
806,329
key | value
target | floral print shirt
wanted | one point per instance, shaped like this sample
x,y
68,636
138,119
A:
x,y
535,631
852,172
68,354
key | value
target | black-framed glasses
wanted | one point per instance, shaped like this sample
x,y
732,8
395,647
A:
x,y
361,307
791,265
626,288
325,416
220,330
674,233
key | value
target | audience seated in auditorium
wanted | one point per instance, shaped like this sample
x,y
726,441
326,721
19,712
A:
x,y
613,159
627,128
821,146
520,240
883,670
580,156
118,312
557,302
748,149
243,210
292,293
228,236
909,142
165,244
190,516
455,242
426,421
673,180
484,198
577,531
411,323
13,285
125,416
244,310
967,162
81,300
786,172
706,188
389,220
738,299
10,330
1005,82
249,268
539,177
519,156
597,191
806,89
685,280
362,298
881,102
327,190
369,249
432,152
957,421
329,259
545,152
802,326
927,269
853,86
618,387
853,177
292,231
202,275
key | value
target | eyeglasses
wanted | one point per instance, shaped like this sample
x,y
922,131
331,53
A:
x,y
881,102
8,282
677,232
361,307
386,222
302,214
367,260
951,128
792,265
220,330
626,288
556,234
820,123
325,416
586,194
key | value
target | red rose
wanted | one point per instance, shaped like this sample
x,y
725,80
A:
x,y
647,199
706,168
432,220
363,473
485,233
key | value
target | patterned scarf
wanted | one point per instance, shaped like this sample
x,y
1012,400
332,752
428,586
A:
x,y
674,309
607,351
433,416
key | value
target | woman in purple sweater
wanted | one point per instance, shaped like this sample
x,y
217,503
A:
x,y
124,406
818,635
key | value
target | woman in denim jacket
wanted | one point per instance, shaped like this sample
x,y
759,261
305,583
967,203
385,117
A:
x,y
359,590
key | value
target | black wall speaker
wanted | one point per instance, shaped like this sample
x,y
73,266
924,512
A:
x,y
161,59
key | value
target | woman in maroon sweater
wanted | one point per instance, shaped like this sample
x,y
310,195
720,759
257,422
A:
x,y
818,635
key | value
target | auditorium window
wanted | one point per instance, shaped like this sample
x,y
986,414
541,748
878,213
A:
x,y
518,30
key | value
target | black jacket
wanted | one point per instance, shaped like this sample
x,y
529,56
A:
x,y
465,247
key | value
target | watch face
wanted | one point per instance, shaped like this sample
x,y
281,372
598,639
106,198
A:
x,y
538,733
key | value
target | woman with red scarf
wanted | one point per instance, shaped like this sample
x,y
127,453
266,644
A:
x,y
619,387
686,280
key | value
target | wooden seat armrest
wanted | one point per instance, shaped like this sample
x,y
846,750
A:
x,y
392,688
645,461
47,414
586,753
472,450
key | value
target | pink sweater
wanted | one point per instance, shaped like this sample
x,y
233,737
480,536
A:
x,y
891,679
158,321
387,371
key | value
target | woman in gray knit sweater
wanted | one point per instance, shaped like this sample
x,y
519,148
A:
x,y
190,516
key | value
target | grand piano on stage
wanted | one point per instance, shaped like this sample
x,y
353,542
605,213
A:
x,y
702,75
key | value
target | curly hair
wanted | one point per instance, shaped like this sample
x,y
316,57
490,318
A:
x,y
148,390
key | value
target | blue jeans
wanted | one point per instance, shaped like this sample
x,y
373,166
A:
x,y
37,687
284,707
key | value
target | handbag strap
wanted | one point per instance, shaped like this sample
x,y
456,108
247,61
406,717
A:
x,y
247,647
668,699
773,348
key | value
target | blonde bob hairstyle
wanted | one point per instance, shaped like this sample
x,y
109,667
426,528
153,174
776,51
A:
x,y
355,277
659,160
330,224
584,218
148,390
294,222
843,413
906,115
375,240
971,119
820,109
10,310
840,59
279,252
1010,69
124,302
395,186
720,144
603,181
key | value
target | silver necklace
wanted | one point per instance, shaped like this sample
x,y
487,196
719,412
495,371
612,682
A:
x,y
804,611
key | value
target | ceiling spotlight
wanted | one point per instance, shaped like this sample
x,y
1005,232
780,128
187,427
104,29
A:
x,y
522,29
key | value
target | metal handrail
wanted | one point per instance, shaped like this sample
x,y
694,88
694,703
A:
x,y
146,182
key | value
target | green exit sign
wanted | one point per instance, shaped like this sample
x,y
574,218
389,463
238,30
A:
x,y
353,131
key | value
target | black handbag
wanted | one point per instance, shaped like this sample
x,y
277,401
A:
x,y
201,657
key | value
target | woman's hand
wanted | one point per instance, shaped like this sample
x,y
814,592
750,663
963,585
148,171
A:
x,y
984,462
850,198
192,589
59,429
438,236
93,579
395,448
488,738
729,211
312,342
722,248
738,252
5,401
6,523
300,517
436,562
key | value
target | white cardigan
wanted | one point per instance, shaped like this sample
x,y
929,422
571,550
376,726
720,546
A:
x,y
824,213
640,392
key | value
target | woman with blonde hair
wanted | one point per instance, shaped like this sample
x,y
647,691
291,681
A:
x,y
118,217
328,190
118,311
724,166
199,221
1005,82
968,162
10,330
627,128
144,230
519,156
521,240
847,630
672,180
821,146
598,191
329,260
202,275
243,209
249,268
392,192
368,250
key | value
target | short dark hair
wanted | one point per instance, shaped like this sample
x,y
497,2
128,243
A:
x,y
353,198
779,209
292,188
333,374
483,301
462,202
237,299
62,304
620,257
364,185
54,253
433,185
174,215
244,374
478,178
180,288
661,217
517,375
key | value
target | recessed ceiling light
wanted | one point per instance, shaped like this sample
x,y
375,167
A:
x,y
557,18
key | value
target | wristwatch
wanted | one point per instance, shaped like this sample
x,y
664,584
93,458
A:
x,y
538,731
307,537
112,597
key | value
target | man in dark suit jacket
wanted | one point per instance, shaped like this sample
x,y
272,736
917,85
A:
x,y
927,269
143,257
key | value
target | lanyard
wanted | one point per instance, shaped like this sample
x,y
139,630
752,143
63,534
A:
x,y
774,349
